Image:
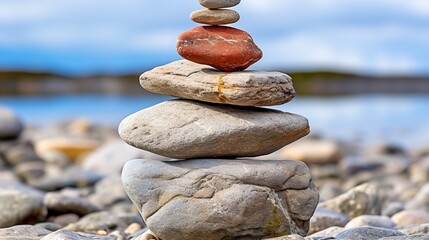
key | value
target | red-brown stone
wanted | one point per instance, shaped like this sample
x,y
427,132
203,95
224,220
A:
x,y
225,48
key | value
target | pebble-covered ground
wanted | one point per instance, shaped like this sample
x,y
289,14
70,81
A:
x,y
63,182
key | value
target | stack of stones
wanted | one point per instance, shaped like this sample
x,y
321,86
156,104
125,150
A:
x,y
205,192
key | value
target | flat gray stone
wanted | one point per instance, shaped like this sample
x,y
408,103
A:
x,y
69,235
219,3
371,220
326,218
189,80
20,204
58,203
367,233
23,232
187,129
364,199
11,126
215,16
222,199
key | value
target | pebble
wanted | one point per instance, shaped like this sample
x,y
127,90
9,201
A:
x,y
49,226
215,16
66,234
71,147
109,159
66,219
219,3
327,233
325,218
134,227
62,204
371,220
190,80
20,204
361,200
71,177
106,221
241,198
11,126
367,233
313,151
411,217
20,153
108,192
419,171
186,129
416,230
23,232
225,48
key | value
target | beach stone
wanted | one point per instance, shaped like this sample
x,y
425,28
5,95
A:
x,y
219,3
189,80
416,229
66,219
288,237
392,208
313,151
413,237
108,192
20,204
367,233
411,217
421,199
325,218
71,147
364,199
20,153
64,234
30,170
225,48
49,226
107,221
187,129
60,204
419,171
222,199
71,177
371,220
109,159
215,16
327,233
23,232
11,126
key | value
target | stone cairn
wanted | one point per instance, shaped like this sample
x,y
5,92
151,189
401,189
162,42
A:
x,y
209,194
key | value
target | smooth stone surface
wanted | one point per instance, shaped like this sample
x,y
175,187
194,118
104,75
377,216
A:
x,y
416,229
60,204
72,148
364,199
327,233
23,232
109,159
313,151
413,237
104,221
288,237
325,218
222,199
72,177
189,80
219,3
225,48
187,129
20,204
367,233
69,235
10,125
215,16
371,220
411,217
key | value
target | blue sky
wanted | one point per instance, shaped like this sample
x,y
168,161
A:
x,y
380,37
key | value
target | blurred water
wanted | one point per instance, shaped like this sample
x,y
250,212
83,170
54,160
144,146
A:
x,y
402,120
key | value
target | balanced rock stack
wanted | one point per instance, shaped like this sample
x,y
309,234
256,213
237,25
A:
x,y
217,117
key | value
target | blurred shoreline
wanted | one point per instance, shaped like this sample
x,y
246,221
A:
x,y
14,83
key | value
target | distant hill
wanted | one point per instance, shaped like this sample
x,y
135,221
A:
x,y
306,83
